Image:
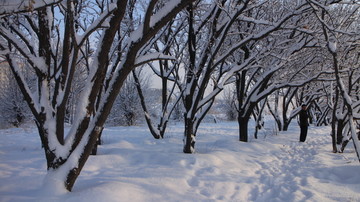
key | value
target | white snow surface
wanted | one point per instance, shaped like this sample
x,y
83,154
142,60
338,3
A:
x,y
132,166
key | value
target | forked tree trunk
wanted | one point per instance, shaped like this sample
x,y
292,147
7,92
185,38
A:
x,y
72,174
153,131
98,142
54,80
61,164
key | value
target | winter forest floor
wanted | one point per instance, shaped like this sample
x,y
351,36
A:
x,y
132,166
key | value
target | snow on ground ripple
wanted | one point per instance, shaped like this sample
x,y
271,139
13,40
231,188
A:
x,y
296,170
283,178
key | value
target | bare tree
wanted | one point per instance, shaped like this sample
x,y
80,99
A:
x,y
36,37
218,49
169,42
340,26
276,50
206,60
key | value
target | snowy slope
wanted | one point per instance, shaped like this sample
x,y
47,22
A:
x,y
132,166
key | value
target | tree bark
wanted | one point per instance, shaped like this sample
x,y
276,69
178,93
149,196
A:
x,y
243,128
333,122
189,136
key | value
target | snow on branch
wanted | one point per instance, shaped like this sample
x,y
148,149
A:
x,y
275,26
21,6
151,57
158,19
167,74
148,14
255,21
163,12
226,78
37,63
332,46
260,95
317,6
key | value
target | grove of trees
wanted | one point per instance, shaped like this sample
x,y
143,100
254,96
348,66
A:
x,y
85,63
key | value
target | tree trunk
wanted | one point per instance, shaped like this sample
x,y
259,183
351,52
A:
x,y
51,160
286,124
343,145
189,136
61,164
339,131
148,120
98,142
333,135
243,128
72,174
259,119
333,121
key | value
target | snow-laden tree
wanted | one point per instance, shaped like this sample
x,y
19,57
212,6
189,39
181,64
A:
x,y
208,28
340,26
168,42
285,104
232,38
52,37
281,40
317,95
321,105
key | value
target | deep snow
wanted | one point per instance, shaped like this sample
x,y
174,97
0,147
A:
x,y
132,166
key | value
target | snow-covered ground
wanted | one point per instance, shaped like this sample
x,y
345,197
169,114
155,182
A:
x,y
132,166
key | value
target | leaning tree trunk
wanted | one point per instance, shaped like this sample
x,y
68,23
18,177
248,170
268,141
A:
x,y
73,174
153,131
97,143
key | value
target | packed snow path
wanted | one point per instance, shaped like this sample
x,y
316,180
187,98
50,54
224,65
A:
x,y
287,175
286,170
132,166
